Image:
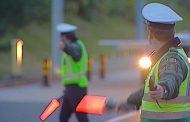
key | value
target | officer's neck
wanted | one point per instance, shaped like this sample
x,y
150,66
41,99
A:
x,y
159,44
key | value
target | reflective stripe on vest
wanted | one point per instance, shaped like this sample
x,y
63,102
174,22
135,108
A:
x,y
75,76
165,107
179,99
179,106
167,115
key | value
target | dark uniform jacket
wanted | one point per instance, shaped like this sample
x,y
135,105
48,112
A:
x,y
74,50
172,72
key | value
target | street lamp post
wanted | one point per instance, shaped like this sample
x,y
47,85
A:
x,y
139,20
57,17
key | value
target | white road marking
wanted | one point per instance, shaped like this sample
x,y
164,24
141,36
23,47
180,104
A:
x,y
122,117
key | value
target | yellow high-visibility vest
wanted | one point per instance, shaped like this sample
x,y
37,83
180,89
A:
x,y
176,108
75,72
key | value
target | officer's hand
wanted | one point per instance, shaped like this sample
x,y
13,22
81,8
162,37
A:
x,y
110,105
62,45
125,107
158,93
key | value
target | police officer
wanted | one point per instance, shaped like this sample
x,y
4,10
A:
x,y
166,94
73,70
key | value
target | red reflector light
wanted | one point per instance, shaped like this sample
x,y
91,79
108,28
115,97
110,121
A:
x,y
92,105
53,105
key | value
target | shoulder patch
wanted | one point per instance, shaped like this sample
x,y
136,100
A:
x,y
171,59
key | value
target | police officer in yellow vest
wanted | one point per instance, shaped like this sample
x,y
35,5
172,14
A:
x,y
166,94
73,70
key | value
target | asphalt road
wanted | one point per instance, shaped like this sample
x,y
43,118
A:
x,y
28,112
25,103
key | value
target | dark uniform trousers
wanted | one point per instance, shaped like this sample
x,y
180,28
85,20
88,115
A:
x,y
73,94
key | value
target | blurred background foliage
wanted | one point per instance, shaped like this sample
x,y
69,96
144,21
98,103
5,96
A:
x,y
95,9
30,20
17,14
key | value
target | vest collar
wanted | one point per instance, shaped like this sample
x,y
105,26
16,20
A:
x,y
155,56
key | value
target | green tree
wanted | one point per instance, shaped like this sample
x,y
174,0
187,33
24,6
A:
x,y
15,14
92,9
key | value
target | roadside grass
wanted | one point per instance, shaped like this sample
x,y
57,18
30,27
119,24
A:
x,y
37,39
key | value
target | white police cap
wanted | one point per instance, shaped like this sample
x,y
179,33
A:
x,y
64,28
159,13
